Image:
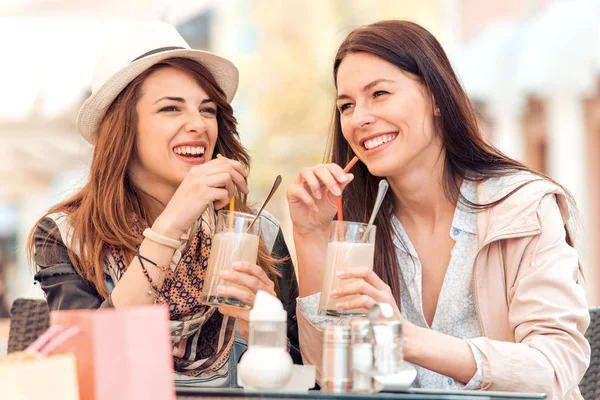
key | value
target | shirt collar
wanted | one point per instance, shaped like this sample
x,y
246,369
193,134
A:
x,y
465,217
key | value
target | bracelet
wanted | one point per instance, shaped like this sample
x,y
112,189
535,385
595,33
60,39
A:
x,y
153,288
160,267
161,239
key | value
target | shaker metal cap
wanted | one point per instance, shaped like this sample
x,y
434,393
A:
x,y
336,334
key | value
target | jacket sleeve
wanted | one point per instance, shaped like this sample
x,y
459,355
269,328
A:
x,y
311,342
288,291
64,288
548,314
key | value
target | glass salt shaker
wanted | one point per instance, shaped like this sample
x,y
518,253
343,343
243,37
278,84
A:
x,y
362,356
387,347
336,375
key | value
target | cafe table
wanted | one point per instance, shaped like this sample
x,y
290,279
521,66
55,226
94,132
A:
x,y
190,393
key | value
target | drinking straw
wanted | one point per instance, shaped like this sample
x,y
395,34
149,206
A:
x,y
231,205
339,203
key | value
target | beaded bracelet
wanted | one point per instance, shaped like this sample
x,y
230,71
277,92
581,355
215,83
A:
x,y
147,274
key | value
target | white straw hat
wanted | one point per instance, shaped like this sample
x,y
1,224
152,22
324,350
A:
x,y
142,46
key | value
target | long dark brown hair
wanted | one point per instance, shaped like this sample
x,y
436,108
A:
x,y
100,213
413,49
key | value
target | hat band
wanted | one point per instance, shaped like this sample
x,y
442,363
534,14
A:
x,y
159,50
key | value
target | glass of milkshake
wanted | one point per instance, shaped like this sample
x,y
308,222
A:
x,y
351,245
232,241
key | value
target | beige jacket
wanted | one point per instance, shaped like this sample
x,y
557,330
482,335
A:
x,y
532,312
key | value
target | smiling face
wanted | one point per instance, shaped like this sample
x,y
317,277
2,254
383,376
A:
x,y
386,116
177,129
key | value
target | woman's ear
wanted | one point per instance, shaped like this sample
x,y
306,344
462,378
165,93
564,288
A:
x,y
436,109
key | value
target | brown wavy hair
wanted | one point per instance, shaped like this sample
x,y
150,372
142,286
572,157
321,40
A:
x,y
413,49
100,212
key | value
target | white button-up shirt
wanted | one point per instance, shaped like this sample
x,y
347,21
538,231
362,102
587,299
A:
x,y
455,314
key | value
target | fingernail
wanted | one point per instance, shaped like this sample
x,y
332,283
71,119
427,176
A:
x,y
315,208
224,274
343,178
340,273
335,189
350,176
333,293
318,194
340,305
220,289
236,264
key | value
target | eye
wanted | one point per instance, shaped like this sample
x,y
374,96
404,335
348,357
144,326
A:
x,y
344,107
379,93
209,110
169,109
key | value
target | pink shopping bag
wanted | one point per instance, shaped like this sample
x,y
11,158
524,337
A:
x,y
121,353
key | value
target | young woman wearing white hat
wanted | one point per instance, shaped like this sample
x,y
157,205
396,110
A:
x,y
158,115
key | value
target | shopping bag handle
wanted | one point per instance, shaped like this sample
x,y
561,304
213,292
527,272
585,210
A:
x,y
53,337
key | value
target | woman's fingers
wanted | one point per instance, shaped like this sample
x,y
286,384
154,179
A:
x,y
298,191
362,301
253,270
248,278
328,179
308,177
365,273
234,169
357,287
361,288
243,296
220,180
220,198
235,312
238,178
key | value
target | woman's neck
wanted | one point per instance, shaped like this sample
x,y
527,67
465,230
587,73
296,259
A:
x,y
419,196
154,197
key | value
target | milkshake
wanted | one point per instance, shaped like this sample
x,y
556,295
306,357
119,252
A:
x,y
357,250
231,243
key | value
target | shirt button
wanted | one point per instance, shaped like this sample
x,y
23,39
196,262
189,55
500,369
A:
x,y
450,381
455,231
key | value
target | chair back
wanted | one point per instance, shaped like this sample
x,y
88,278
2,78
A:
x,y
29,319
590,384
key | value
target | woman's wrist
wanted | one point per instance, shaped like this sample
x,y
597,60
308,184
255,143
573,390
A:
x,y
311,235
166,228
410,333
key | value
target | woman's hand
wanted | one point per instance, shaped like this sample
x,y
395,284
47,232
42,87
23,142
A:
x,y
212,182
250,276
364,283
312,196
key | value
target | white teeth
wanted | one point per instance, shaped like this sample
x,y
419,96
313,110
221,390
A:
x,y
378,141
189,150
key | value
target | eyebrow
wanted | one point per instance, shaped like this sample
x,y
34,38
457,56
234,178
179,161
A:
x,y
181,100
367,87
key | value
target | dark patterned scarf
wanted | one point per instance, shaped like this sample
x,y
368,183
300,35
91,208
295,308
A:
x,y
202,338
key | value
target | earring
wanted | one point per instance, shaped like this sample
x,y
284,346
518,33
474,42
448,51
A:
x,y
437,110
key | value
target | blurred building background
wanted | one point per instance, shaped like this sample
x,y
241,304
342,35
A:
x,y
531,67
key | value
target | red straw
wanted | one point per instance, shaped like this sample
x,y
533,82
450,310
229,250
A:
x,y
339,203
351,164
